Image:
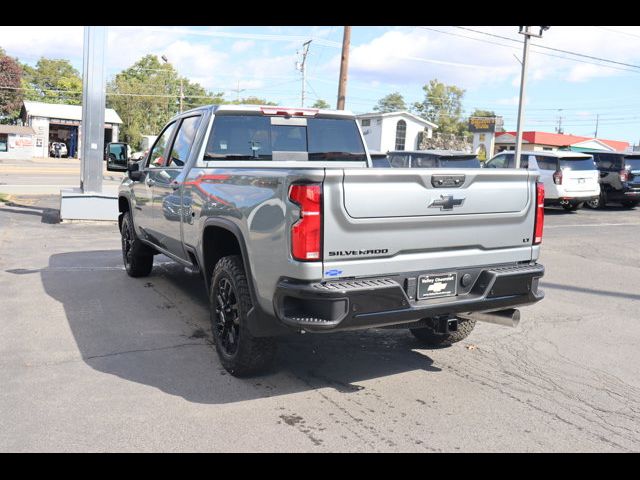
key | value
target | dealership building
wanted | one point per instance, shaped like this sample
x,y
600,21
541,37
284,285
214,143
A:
x,y
54,122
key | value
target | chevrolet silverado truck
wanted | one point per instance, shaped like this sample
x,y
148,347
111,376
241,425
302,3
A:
x,y
294,231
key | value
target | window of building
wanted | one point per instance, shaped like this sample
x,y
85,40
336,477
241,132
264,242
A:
x,y
366,122
401,134
547,148
4,142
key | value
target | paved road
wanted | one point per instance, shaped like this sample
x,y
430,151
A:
x,y
45,176
92,360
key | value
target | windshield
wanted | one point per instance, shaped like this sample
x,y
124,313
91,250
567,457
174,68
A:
x,y
577,163
253,137
632,163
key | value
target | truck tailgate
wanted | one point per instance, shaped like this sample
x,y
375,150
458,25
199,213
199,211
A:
x,y
400,220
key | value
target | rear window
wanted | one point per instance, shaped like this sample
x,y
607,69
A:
x,y
577,163
632,163
436,161
460,162
253,137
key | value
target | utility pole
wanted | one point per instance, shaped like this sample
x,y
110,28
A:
x,y
344,66
523,79
302,67
597,118
238,90
181,93
559,127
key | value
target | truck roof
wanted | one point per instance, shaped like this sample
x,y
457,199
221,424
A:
x,y
273,110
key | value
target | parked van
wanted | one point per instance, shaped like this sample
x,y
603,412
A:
x,y
570,178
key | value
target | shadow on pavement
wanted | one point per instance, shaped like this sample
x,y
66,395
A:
x,y
606,293
47,215
155,331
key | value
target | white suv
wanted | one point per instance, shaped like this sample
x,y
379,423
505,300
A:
x,y
570,178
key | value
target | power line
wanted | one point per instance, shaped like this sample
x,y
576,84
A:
x,y
551,48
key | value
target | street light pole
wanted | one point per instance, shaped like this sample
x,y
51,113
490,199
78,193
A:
x,y
523,83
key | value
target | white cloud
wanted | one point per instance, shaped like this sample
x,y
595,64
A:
x,y
242,45
31,43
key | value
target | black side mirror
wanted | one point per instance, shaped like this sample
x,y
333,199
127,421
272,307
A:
x,y
134,172
117,157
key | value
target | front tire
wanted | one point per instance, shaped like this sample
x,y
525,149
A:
x,y
137,257
427,336
240,353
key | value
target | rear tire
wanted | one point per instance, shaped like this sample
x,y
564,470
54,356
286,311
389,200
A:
x,y
598,203
137,257
240,353
427,336
572,208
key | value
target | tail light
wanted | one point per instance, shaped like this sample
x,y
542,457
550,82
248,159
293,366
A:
x,y
306,232
557,177
624,175
539,223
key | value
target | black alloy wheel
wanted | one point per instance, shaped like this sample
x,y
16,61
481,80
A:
x,y
227,322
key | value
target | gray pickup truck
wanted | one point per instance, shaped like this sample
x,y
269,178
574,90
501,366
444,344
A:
x,y
293,230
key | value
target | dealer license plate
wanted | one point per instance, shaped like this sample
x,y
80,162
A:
x,y
440,285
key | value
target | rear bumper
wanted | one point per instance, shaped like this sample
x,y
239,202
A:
x,y
627,194
569,200
391,300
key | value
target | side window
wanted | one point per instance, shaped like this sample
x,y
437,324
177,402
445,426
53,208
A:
x,y
499,161
184,139
156,156
547,163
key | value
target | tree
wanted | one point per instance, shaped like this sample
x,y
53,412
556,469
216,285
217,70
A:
x,y
251,101
147,94
52,81
443,106
394,102
483,113
320,104
11,94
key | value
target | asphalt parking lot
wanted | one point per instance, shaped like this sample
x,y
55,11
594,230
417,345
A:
x,y
92,360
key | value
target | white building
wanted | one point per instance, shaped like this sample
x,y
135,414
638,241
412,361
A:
x,y
394,130
55,122
16,142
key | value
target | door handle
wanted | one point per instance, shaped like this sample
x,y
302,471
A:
x,y
149,181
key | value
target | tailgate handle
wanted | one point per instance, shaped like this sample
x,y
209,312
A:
x,y
447,181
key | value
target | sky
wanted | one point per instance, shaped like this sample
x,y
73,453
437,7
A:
x,y
484,60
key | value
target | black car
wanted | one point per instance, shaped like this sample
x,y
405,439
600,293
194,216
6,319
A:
x,y
433,159
619,179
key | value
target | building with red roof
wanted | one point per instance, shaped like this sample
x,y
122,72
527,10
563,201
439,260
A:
x,y
554,141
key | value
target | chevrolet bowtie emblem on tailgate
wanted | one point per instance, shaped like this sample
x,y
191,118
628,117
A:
x,y
446,202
